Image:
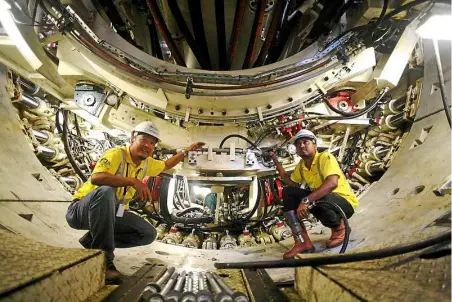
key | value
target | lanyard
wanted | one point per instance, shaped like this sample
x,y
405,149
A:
x,y
125,188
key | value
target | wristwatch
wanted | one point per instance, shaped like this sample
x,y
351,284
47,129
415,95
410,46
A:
x,y
305,200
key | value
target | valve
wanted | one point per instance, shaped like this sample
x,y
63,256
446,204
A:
x,y
174,237
192,241
228,242
280,231
246,239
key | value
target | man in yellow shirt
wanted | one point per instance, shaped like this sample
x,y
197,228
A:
x,y
326,182
101,204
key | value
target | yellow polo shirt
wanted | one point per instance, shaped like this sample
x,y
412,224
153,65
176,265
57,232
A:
x,y
110,162
328,166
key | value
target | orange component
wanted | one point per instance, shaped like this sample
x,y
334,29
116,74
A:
x,y
155,186
278,187
92,165
268,193
155,193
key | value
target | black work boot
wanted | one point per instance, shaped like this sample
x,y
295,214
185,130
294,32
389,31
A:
x,y
86,240
112,275
302,243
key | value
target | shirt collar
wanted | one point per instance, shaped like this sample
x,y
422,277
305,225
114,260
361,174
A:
x,y
314,161
129,157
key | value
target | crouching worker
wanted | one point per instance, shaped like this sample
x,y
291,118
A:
x,y
101,204
326,182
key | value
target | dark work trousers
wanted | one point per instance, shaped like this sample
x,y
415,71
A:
x,y
96,212
326,213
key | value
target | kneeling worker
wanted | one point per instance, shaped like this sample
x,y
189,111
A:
x,y
101,204
326,182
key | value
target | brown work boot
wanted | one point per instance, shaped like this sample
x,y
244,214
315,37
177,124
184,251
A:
x,y
337,236
112,275
302,242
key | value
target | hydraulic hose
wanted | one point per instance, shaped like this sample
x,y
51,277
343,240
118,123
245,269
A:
x,y
347,225
340,259
68,150
337,118
239,136
178,217
187,220
77,127
383,13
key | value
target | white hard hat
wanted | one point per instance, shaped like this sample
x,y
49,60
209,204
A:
x,y
147,128
304,133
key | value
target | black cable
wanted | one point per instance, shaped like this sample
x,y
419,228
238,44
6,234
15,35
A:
x,y
68,150
77,127
256,142
313,113
57,120
409,6
238,136
263,136
382,14
340,259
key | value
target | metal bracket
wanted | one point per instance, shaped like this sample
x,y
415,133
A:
x,y
189,88
192,157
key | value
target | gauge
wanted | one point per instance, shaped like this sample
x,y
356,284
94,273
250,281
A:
x,y
291,149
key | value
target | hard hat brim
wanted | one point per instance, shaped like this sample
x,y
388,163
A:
x,y
144,133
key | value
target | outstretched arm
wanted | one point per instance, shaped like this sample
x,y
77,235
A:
x,y
177,158
285,177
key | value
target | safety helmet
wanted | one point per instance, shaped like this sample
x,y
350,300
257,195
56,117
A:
x,y
148,128
304,133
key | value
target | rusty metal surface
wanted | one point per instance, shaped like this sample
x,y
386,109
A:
x,y
400,278
233,278
76,283
24,261
102,294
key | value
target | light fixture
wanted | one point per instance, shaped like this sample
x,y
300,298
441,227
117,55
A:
x,y
438,27
4,5
13,32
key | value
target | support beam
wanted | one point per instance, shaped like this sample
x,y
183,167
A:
x,y
160,23
179,18
221,33
198,27
278,17
255,34
115,18
234,41
155,41
284,33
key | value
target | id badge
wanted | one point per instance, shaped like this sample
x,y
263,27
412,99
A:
x,y
120,211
